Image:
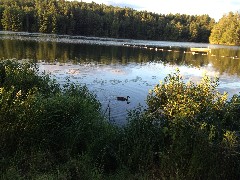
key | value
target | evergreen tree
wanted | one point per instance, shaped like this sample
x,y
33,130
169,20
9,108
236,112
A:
x,y
227,30
12,19
1,16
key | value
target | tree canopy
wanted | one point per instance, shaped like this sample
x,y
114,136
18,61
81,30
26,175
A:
x,y
227,30
92,19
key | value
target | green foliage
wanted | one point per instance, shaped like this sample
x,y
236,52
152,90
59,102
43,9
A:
x,y
1,14
12,19
42,165
24,76
92,19
227,30
37,116
188,131
176,100
141,142
195,121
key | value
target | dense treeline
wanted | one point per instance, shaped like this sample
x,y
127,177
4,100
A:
x,y
91,19
227,30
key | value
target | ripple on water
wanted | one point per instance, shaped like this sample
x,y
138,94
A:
x,y
119,109
108,82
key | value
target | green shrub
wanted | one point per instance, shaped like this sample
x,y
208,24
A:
x,y
188,131
175,100
24,76
192,129
141,142
36,115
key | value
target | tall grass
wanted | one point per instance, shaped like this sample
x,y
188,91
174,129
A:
x,y
189,131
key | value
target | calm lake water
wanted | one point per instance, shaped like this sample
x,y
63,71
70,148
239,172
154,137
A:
x,y
122,67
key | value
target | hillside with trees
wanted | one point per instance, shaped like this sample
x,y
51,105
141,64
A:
x,y
91,19
227,30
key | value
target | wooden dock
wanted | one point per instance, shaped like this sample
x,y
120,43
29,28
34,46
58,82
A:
x,y
200,49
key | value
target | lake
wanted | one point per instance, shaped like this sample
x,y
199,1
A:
x,y
122,67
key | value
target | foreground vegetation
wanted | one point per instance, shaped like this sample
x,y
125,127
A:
x,y
189,131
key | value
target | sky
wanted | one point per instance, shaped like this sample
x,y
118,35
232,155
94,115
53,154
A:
x,y
214,8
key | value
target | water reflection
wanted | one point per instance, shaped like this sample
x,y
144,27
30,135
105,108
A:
x,y
223,58
114,69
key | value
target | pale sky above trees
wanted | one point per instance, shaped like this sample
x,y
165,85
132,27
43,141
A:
x,y
214,8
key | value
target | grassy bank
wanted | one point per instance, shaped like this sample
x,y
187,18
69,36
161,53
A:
x,y
189,131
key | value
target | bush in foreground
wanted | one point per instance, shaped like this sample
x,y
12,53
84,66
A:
x,y
188,131
43,125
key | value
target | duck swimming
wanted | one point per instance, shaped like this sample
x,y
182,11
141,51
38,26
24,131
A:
x,y
122,98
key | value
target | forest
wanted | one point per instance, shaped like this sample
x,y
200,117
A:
x,y
227,30
92,19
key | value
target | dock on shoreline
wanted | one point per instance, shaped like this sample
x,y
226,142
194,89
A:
x,y
200,49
